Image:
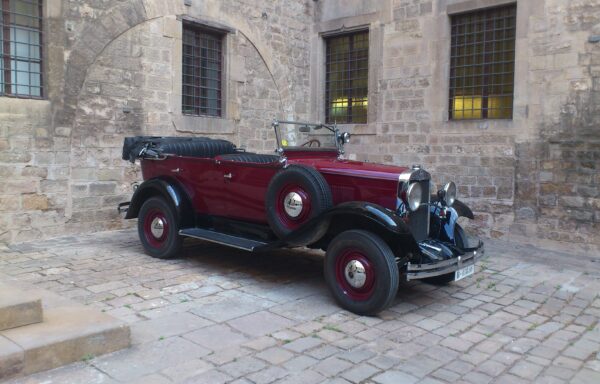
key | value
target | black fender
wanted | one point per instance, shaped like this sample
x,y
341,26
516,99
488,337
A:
x,y
171,191
358,215
445,228
462,209
459,207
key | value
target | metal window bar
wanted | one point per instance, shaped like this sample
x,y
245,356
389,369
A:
x,y
21,48
346,78
482,64
202,72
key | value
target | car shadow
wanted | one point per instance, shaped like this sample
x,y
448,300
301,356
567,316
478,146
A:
x,y
293,265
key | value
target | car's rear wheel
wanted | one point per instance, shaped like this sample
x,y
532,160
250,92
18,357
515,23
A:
x,y
158,229
294,196
361,272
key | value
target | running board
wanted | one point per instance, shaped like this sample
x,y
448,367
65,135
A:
x,y
222,238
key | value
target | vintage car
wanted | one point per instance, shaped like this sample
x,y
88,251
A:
x,y
376,223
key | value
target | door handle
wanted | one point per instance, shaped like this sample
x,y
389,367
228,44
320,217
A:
x,y
176,170
228,176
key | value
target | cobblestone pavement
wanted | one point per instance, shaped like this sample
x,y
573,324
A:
x,y
217,315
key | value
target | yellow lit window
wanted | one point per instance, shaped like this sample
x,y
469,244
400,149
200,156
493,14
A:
x,y
482,62
347,74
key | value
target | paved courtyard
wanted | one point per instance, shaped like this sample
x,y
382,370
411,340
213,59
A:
x,y
217,315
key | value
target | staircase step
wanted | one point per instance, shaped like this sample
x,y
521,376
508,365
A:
x,y
18,307
69,332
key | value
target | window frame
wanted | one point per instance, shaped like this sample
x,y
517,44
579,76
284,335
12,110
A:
x,y
327,39
488,76
215,33
7,58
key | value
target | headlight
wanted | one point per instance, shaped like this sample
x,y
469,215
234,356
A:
x,y
448,193
413,196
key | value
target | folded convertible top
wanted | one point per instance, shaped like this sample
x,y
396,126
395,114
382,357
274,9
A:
x,y
157,147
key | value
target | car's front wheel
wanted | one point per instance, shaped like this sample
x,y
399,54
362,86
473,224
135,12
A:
x,y
158,229
361,271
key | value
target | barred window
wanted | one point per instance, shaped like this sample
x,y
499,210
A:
x,y
347,77
482,64
21,54
202,71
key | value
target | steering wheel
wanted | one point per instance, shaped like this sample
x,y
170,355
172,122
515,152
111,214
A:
x,y
310,143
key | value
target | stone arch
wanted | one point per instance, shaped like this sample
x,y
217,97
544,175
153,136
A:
x,y
98,35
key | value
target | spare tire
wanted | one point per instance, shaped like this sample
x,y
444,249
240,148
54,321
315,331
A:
x,y
295,195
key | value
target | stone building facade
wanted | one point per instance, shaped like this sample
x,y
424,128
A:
x,y
113,68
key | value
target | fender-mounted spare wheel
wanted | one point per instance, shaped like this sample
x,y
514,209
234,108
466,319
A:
x,y
295,195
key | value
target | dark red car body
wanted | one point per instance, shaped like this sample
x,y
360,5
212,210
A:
x,y
243,196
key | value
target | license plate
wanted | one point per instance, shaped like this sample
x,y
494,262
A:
x,y
464,272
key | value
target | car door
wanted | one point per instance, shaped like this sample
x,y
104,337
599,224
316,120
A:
x,y
244,189
204,184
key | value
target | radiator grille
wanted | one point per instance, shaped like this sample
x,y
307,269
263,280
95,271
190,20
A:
x,y
418,221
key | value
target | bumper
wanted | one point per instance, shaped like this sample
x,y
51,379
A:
x,y
422,271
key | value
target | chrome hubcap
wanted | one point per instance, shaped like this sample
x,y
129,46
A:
x,y
355,274
157,227
292,204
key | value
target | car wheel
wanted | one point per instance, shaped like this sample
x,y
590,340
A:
x,y
361,272
294,196
158,229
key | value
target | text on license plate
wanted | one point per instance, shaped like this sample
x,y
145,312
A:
x,y
464,272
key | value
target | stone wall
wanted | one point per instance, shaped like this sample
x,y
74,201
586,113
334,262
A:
x,y
558,171
533,178
114,70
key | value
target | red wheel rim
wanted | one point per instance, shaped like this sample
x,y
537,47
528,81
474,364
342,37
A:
x,y
291,222
345,277
156,228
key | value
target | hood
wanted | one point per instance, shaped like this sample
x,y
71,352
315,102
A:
x,y
354,168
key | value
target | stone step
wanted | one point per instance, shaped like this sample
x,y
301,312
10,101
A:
x,y
18,307
69,332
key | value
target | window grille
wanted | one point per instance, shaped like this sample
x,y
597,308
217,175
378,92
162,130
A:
x,y
482,64
347,78
21,54
202,72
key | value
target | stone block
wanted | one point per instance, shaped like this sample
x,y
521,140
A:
x,y
68,334
172,28
34,202
40,172
102,188
11,358
18,308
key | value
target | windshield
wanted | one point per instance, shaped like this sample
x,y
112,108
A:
x,y
294,135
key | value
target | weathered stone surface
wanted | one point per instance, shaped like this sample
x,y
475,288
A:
x,y
11,358
66,335
18,308
521,318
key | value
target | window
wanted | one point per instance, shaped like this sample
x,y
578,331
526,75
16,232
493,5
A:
x,y
482,64
347,77
21,54
202,72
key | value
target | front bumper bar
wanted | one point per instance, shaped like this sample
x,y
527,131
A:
x,y
422,271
